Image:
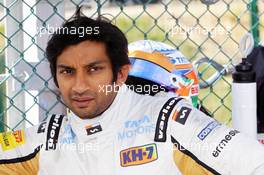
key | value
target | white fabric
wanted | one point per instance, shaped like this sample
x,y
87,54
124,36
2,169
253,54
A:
x,y
130,124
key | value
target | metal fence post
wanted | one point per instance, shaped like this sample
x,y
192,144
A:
x,y
16,101
2,97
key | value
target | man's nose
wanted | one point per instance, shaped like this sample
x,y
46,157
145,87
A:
x,y
81,84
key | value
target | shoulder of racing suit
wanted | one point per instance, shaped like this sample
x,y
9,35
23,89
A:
x,y
204,146
19,150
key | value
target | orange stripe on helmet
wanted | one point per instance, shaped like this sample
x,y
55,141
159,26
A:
x,y
159,59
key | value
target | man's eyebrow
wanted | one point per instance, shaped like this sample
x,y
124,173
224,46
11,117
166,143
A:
x,y
95,63
61,66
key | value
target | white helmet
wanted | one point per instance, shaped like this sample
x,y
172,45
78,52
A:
x,y
162,64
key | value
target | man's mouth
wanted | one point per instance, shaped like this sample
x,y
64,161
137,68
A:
x,y
82,102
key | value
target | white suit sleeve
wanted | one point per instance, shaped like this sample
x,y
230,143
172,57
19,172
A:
x,y
19,150
212,145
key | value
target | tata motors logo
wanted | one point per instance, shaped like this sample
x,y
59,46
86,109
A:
x,y
133,128
138,155
68,135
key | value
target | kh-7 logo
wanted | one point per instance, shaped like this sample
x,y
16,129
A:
x,y
138,155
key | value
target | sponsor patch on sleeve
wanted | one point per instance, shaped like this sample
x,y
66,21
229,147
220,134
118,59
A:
x,y
53,131
138,155
224,143
207,130
10,140
182,115
163,118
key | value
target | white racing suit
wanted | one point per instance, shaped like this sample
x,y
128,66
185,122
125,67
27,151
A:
x,y
136,135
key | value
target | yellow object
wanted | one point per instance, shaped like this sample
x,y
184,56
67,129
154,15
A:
x,y
11,140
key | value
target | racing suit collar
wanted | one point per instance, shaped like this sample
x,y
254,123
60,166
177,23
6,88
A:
x,y
103,122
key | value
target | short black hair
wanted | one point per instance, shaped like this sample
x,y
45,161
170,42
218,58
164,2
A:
x,y
100,30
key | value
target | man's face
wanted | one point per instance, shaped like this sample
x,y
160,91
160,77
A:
x,y
82,71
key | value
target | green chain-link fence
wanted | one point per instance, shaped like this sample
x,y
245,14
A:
x,y
196,29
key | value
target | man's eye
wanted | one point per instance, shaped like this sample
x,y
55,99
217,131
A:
x,y
93,69
66,71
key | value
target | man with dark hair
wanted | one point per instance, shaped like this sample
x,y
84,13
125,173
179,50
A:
x,y
112,130
102,54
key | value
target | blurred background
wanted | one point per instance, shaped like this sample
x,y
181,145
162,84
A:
x,y
197,28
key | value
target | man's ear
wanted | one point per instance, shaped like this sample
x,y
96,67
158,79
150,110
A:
x,y
123,74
